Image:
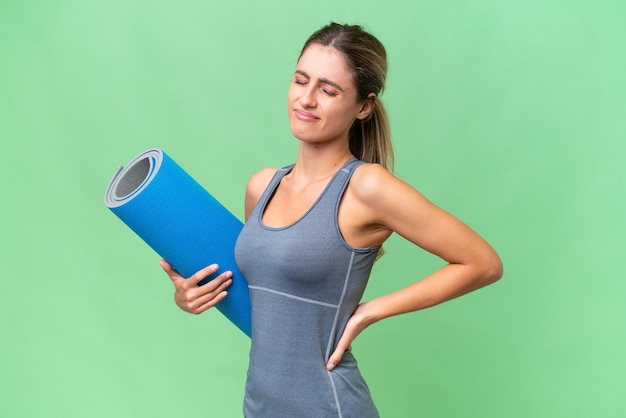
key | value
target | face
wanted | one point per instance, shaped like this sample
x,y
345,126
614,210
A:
x,y
322,99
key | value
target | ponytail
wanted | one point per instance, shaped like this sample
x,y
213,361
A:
x,y
370,138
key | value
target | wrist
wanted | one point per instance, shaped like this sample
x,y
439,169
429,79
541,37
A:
x,y
368,313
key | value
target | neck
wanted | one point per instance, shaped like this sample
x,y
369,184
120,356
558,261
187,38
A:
x,y
317,162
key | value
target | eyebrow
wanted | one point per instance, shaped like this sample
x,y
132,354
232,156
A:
x,y
322,80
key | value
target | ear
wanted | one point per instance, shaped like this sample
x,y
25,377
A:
x,y
366,107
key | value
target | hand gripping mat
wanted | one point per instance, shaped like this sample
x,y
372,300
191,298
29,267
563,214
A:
x,y
182,222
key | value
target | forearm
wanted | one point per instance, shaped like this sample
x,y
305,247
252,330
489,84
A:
x,y
446,283
449,282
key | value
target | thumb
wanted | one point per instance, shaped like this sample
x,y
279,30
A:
x,y
335,358
167,267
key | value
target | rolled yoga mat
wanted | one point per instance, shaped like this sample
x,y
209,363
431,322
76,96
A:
x,y
182,222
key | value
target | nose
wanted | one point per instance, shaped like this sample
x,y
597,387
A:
x,y
307,98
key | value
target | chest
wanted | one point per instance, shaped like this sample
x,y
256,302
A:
x,y
289,204
307,259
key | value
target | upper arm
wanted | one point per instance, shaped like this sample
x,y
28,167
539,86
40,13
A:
x,y
398,207
257,183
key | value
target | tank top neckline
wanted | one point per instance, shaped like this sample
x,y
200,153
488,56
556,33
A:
x,y
275,183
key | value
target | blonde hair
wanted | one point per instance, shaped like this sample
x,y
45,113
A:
x,y
370,138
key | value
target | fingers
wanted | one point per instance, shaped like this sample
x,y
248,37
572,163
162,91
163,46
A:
x,y
344,344
199,299
208,300
202,274
193,280
195,299
355,325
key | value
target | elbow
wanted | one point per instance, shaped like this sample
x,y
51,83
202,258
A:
x,y
493,270
487,269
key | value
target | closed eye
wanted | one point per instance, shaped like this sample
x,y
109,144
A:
x,y
329,87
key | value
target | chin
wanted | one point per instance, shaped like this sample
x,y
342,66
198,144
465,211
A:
x,y
303,134
302,137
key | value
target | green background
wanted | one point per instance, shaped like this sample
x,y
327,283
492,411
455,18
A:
x,y
509,114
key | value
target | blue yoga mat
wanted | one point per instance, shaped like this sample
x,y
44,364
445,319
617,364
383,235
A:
x,y
182,222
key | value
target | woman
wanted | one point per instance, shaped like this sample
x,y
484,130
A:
x,y
314,229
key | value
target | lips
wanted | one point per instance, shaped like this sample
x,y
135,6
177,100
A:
x,y
305,116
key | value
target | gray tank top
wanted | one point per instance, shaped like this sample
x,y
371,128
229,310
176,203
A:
x,y
305,281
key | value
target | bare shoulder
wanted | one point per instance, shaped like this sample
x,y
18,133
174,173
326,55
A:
x,y
371,181
387,199
257,183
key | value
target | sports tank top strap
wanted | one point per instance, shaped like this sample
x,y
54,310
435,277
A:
x,y
331,197
340,180
270,189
